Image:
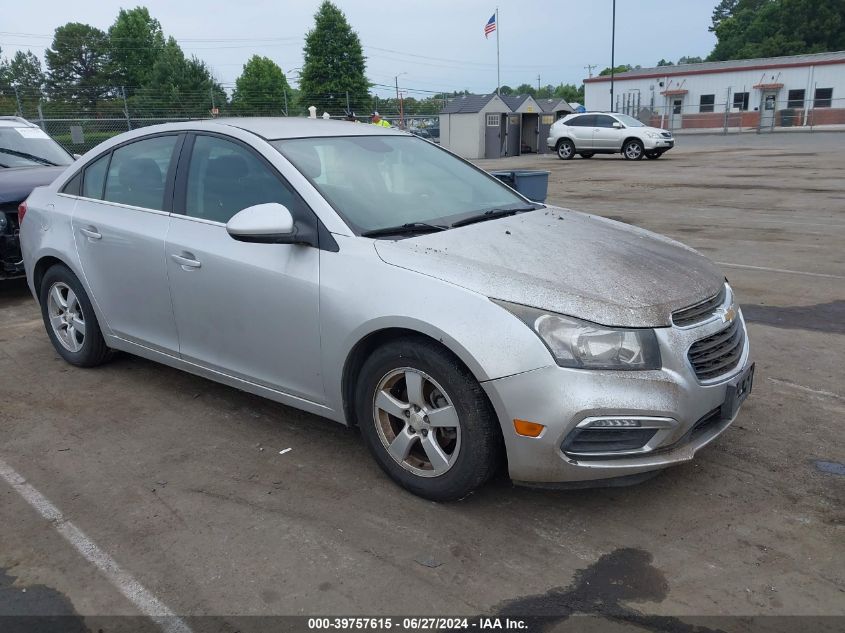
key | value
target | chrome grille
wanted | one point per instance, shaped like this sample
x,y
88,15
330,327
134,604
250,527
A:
x,y
698,312
718,354
666,134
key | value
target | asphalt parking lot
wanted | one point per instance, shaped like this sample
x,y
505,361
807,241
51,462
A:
x,y
180,481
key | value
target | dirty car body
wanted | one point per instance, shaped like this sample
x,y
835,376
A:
x,y
412,295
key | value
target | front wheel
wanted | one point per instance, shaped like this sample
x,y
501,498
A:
x,y
426,420
565,149
633,150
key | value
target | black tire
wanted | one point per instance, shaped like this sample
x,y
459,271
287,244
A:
x,y
653,155
587,154
93,349
565,149
479,447
633,150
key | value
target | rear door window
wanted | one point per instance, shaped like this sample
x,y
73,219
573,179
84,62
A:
x,y
94,178
138,172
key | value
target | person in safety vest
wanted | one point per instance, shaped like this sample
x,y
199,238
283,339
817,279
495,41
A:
x,y
377,120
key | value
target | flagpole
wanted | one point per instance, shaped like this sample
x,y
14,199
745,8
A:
x,y
498,70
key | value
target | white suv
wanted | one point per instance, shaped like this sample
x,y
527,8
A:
x,y
591,133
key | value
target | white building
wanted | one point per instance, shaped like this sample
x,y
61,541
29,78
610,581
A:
x,y
748,93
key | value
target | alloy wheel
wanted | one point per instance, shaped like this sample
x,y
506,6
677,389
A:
x,y
66,317
633,151
417,422
565,150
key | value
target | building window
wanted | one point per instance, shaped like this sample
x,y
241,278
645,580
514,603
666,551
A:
x,y
795,99
740,100
493,120
823,97
707,102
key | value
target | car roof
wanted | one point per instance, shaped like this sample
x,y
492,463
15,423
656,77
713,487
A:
x,y
15,121
276,128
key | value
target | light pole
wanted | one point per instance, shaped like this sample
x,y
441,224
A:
x,y
612,54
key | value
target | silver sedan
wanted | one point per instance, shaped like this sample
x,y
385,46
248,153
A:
x,y
373,278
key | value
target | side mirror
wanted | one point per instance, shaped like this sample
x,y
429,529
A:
x,y
77,156
617,125
269,223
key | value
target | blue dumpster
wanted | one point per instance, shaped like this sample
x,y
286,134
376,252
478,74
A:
x,y
533,184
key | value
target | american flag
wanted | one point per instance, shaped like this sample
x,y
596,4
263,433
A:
x,y
490,26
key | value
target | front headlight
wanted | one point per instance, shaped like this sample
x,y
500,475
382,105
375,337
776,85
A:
x,y
653,134
585,345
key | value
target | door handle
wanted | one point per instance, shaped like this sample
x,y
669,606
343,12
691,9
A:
x,y
91,232
186,261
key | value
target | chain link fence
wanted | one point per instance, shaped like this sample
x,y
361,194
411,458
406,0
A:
x,y
773,112
82,120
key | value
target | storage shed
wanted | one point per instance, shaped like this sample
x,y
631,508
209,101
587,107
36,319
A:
x,y
474,126
523,125
551,111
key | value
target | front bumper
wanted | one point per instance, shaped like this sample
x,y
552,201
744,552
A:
x,y
11,260
663,144
692,412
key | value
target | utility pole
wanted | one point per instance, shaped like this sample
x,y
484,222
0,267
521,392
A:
x,y
538,85
612,54
589,69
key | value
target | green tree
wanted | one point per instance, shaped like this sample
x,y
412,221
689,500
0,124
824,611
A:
x,y
525,89
24,72
261,89
570,92
767,28
21,82
622,68
179,86
334,65
506,90
665,62
76,63
135,42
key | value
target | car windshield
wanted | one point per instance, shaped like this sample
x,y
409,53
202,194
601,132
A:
x,y
28,146
375,182
629,120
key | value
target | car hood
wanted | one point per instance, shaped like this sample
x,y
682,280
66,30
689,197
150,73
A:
x,y
16,183
563,261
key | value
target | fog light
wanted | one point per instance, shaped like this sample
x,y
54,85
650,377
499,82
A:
x,y
614,423
528,429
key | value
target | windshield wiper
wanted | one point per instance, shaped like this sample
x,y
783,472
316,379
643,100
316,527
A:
x,y
33,157
491,214
409,227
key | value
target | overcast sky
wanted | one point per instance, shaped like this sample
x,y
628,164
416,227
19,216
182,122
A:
x,y
438,44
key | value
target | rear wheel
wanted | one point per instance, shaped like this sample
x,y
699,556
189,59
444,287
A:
x,y
587,154
633,150
70,320
565,149
426,419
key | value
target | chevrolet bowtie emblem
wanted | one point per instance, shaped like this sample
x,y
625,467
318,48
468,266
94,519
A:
x,y
727,314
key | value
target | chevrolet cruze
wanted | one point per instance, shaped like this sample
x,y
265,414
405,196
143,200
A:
x,y
373,278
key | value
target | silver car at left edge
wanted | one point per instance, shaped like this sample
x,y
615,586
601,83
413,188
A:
x,y
371,277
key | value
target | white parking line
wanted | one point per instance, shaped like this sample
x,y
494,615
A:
x,y
781,270
146,602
